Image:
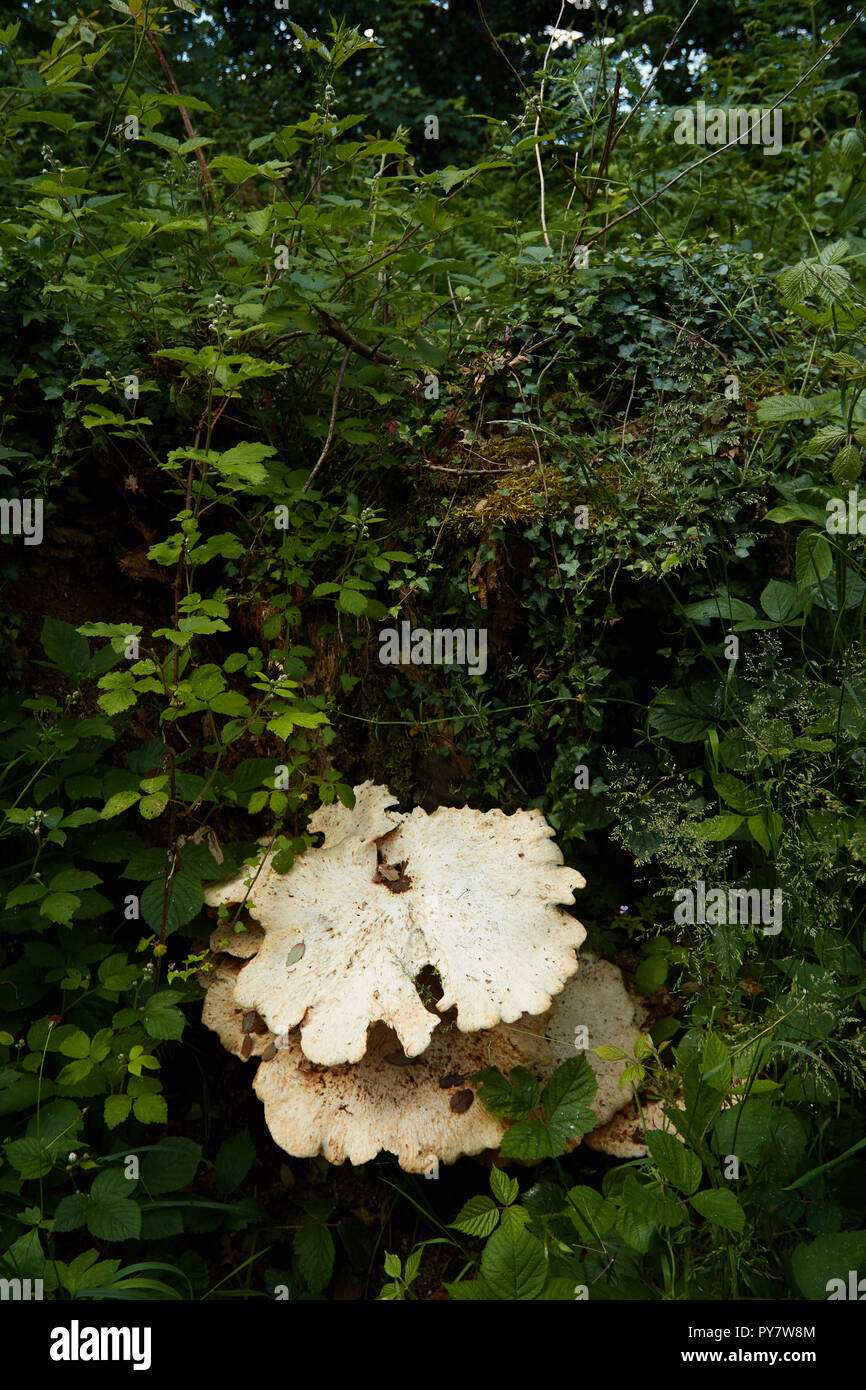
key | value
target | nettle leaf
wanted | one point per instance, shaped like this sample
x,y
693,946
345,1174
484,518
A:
x,y
478,1217
774,410
846,466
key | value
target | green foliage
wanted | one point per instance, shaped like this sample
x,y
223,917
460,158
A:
x,y
222,338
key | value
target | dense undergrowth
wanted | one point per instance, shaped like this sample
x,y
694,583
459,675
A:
x,y
281,383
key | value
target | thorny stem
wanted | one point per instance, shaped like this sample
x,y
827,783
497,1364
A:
x,y
183,113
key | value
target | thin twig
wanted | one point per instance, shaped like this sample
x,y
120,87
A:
x,y
336,330
639,207
321,459
649,86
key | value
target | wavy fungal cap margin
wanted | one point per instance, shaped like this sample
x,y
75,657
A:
x,y
477,895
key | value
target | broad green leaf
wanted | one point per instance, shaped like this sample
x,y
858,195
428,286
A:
x,y
781,601
512,1098
814,559
111,1212
170,1165
720,1207
61,643
117,1110
674,716
236,170
115,805
529,1140
314,1255
150,1109
233,1161
718,827
185,901
818,1263
514,1269
591,1214
775,410
675,1162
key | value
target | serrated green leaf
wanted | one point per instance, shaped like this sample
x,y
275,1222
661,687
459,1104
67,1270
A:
x,y
720,1207
314,1255
674,1161
514,1269
478,1217
504,1188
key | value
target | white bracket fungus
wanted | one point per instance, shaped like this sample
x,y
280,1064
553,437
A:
x,y
595,1009
623,1135
348,930
422,1109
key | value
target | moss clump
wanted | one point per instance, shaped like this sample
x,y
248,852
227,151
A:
x,y
505,482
